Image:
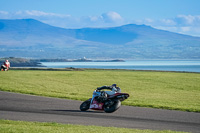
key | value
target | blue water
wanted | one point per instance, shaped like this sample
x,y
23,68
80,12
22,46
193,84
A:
x,y
163,65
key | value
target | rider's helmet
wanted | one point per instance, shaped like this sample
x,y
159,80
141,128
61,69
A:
x,y
6,60
116,87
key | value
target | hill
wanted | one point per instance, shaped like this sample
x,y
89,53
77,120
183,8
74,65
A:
x,y
21,62
34,39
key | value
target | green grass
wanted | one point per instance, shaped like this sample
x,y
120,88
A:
x,y
166,90
8,126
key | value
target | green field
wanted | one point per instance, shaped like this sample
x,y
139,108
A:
x,y
7,126
167,90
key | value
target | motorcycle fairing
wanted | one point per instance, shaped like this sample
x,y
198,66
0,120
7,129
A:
x,y
96,106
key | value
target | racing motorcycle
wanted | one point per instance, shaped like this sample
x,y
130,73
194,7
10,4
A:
x,y
4,68
108,101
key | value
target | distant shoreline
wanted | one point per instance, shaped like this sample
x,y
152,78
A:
x,y
83,69
23,62
77,60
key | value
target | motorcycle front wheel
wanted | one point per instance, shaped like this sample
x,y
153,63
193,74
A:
x,y
85,105
113,107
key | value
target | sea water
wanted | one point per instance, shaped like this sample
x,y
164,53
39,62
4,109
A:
x,y
163,65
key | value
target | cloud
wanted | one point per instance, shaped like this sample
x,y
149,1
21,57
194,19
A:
x,y
43,14
4,15
110,17
66,20
59,20
37,15
4,12
184,24
185,29
187,20
167,22
179,20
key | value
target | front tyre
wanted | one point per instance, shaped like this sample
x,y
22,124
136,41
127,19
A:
x,y
113,107
85,105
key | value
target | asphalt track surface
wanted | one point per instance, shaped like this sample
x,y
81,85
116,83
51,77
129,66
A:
x,y
15,106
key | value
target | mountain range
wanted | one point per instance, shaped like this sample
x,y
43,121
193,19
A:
x,y
33,39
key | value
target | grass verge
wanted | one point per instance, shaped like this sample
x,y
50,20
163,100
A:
x,y
8,126
166,90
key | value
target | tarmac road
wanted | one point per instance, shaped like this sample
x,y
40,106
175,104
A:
x,y
15,106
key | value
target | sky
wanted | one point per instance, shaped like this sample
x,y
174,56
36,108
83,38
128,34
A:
x,y
180,16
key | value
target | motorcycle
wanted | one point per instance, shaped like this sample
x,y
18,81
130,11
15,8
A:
x,y
108,101
4,68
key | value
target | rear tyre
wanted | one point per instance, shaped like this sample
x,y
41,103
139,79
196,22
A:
x,y
113,107
85,105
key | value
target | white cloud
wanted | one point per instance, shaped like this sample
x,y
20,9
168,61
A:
x,y
148,20
168,22
35,14
4,12
40,13
185,24
4,15
185,29
110,17
94,18
185,20
66,20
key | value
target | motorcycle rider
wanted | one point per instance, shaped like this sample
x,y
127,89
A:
x,y
103,96
113,87
109,101
5,66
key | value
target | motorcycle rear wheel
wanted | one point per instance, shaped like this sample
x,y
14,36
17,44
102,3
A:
x,y
113,108
85,105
